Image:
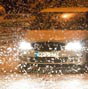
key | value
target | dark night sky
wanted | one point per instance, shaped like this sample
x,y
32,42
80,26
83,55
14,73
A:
x,y
29,6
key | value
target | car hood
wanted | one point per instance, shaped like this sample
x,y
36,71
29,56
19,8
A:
x,y
55,35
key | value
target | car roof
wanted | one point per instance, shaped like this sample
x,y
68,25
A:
x,y
68,9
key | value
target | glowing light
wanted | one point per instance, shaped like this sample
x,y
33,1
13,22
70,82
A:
x,y
74,84
73,46
67,15
21,84
24,45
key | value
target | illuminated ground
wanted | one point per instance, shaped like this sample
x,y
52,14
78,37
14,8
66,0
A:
x,y
43,81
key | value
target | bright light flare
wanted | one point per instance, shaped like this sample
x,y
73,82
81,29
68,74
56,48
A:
x,y
20,84
67,15
24,45
74,46
74,84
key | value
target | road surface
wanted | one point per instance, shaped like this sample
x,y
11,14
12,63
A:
x,y
44,81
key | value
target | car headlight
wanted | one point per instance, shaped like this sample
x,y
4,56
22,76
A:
x,y
25,46
73,46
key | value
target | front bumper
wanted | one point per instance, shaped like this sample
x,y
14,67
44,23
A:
x,y
54,57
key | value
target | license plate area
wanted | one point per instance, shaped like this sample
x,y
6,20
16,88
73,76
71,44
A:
x,y
49,60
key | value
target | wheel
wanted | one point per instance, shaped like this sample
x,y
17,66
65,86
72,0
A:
x,y
28,68
78,69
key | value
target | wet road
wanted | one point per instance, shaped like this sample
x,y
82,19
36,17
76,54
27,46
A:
x,y
43,81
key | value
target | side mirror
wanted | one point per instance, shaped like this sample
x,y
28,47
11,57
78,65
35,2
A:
x,y
2,10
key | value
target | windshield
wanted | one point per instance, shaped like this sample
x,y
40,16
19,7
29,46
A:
x,y
60,21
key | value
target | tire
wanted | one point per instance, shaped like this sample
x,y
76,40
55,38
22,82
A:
x,y
28,68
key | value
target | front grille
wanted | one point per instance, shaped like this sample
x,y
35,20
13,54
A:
x,y
47,46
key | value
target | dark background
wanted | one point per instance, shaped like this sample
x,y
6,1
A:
x,y
32,6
